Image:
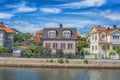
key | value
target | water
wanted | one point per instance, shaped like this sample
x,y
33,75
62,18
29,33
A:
x,y
58,74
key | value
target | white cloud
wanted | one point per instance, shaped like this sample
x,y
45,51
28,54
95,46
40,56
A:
x,y
114,16
6,15
50,10
81,13
22,8
84,3
25,26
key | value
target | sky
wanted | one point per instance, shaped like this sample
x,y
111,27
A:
x,y
33,15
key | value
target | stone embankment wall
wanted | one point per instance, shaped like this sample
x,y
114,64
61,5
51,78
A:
x,y
73,63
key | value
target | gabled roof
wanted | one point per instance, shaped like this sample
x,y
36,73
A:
x,y
107,30
59,32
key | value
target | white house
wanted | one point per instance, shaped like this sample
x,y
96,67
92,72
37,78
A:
x,y
104,39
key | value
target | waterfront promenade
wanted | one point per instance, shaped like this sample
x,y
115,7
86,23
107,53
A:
x,y
43,63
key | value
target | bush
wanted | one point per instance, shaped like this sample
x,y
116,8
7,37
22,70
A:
x,y
59,53
66,61
112,53
85,61
51,60
68,55
60,61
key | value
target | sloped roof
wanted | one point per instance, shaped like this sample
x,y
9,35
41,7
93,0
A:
x,y
59,33
78,34
6,29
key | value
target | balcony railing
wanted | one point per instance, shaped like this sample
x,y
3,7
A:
x,y
115,41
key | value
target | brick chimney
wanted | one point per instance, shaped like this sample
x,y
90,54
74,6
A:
x,y
1,24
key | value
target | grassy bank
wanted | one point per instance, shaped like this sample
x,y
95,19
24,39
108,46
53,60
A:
x,y
53,63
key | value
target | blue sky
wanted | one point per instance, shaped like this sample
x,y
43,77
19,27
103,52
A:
x,y
33,15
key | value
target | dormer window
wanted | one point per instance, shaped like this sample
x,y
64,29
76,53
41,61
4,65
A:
x,y
51,35
66,35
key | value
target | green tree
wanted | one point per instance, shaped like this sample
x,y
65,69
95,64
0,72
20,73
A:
x,y
118,51
28,53
18,37
38,51
3,49
59,53
37,43
17,43
81,45
27,35
46,51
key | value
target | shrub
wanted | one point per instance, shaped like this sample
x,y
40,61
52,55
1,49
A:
x,y
68,55
51,60
66,61
85,61
112,53
60,61
59,53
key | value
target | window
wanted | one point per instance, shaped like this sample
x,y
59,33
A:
x,y
66,35
115,36
51,35
62,45
92,47
47,44
95,37
115,47
55,45
103,48
70,46
92,37
95,47
103,37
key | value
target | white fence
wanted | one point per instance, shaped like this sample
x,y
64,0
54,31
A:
x,y
89,56
114,56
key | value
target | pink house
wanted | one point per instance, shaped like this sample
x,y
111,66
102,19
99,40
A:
x,y
60,38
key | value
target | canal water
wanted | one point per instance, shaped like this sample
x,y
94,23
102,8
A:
x,y
58,74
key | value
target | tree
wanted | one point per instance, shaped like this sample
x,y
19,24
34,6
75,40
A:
x,y
38,51
118,51
28,53
37,43
59,52
18,37
3,49
27,35
81,45
46,50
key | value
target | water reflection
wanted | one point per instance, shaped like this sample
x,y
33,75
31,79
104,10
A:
x,y
58,74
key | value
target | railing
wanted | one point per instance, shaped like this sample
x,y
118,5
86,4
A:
x,y
115,41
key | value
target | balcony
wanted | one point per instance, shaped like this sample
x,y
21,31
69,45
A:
x,y
115,41
103,42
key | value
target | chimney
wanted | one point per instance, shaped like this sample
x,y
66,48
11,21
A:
x,y
108,28
1,24
114,26
99,26
61,25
